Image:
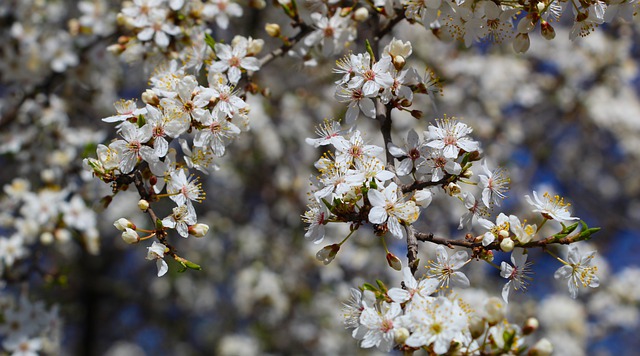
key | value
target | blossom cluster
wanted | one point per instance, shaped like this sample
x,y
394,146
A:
x,y
162,27
421,316
334,27
29,328
204,120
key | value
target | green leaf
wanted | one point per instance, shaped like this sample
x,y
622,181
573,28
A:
x,y
383,287
588,232
370,51
569,229
369,286
192,265
210,41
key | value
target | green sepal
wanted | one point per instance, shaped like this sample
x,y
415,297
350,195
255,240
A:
x,y
159,225
210,42
327,204
509,337
373,184
141,120
465,159
291,10
383,287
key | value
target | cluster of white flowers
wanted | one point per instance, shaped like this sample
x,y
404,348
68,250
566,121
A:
x,y
334,27
352,185
158,26
178,109
43,217
419,316
29,328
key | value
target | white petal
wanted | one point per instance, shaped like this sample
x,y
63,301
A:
x,y
399,295
377,215
162,267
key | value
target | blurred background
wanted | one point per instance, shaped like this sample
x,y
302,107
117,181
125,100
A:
x,y
562,118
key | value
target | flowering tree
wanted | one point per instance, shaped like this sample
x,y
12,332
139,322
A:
x,y
212,146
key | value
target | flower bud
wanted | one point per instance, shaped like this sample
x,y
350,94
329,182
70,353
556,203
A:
x,y
198,230
542,348
328,253
521,43
423,197
476,327
547,30
487,256
361,14
417,114
452,189
62,235
346,11
46,238
401,335
116,48
74,27
143,205
47,175
150,97
507,245
254,46
394,262
122,223
398,62
273,29
526,24
130,236
495,309
257,4
530,326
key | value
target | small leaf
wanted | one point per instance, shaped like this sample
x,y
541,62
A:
x,y
210,41
192,265
184,268
383,288
370,51
569,229
369,286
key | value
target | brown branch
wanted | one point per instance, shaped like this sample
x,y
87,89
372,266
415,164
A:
x,y
474,242
417,185
282,50
412,249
